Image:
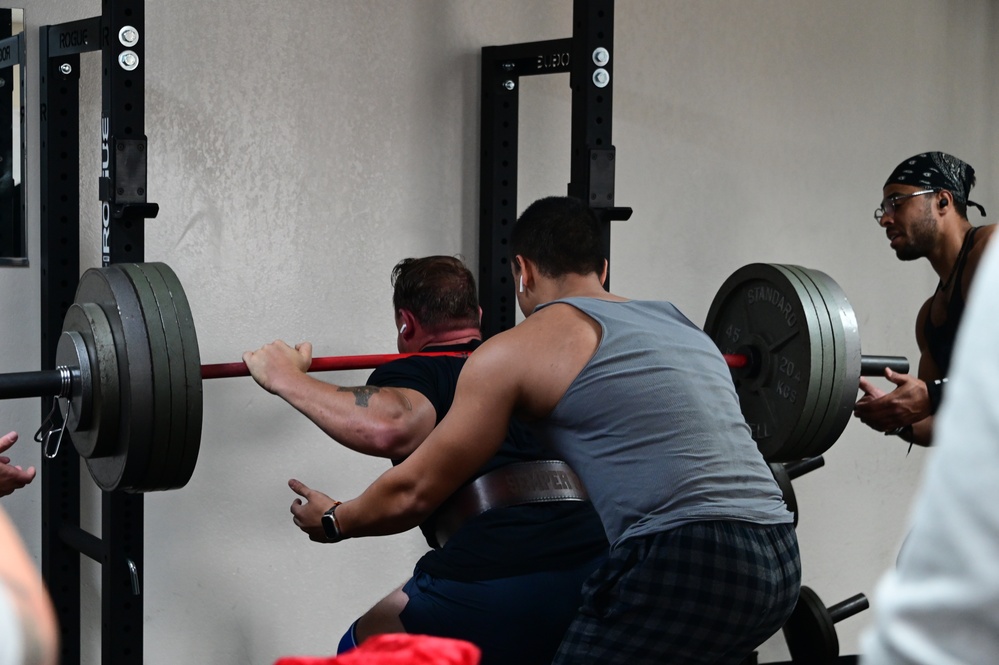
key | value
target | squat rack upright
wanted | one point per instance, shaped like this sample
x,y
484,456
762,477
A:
x,y
588,58
119,34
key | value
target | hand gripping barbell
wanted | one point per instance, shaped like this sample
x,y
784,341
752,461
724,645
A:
x,y
128,381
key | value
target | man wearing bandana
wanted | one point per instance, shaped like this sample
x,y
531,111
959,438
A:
x,y
924,212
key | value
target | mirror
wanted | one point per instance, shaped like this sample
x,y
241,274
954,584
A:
x,y
13,220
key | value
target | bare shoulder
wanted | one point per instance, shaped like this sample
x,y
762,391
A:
x,y
538,359
982,238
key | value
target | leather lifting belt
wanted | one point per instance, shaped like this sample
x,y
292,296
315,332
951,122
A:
x,y
541,481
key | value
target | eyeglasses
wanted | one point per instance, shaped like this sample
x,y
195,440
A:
x,y
890,204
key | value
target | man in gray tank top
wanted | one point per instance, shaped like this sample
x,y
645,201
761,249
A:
x,y
704,563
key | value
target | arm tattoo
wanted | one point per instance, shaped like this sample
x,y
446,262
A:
x,y
361,394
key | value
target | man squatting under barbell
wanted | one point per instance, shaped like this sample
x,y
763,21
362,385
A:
x,y
924,212
704,562
507,579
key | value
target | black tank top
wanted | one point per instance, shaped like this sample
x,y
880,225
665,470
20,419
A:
x,y
940,339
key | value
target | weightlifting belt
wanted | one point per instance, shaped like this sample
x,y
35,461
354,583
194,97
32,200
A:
x,y
541,481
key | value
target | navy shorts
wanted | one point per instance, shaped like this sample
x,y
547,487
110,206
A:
x,y
706,592
517,619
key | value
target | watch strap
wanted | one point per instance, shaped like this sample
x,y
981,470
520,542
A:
x,y
330,526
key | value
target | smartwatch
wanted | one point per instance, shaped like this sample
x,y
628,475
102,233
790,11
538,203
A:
x,y
330,526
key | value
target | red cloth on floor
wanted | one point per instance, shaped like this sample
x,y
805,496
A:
x,y
399,649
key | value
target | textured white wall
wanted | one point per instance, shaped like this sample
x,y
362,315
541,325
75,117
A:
x,y
298,150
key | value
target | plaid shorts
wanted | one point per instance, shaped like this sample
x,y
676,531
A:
x,y
705,592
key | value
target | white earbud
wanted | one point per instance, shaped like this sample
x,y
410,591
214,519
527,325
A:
x,y
522,283
402,329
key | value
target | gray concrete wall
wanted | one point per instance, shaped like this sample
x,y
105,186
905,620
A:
x,y
299,149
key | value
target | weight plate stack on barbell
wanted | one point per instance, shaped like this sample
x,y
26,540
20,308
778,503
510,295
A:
x,y
800,335
846,357
150,338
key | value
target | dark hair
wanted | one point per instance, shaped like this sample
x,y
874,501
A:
x,y
961,207
561,235
438,290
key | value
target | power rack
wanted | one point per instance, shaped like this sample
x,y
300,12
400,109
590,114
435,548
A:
x,y
588,59
119,34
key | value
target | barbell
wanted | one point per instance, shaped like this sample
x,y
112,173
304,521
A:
x,y
128,381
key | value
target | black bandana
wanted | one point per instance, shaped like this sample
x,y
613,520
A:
x,y
937,170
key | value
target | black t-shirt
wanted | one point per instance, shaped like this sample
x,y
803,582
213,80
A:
x,y
504,541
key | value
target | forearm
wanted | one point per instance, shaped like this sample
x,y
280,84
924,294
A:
x,y
919,433
367,419
465,439
405,495
392,504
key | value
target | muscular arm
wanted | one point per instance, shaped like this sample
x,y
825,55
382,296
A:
x,y
473,430
383,422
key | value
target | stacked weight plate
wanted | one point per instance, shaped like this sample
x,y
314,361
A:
x,y
800,333
154,443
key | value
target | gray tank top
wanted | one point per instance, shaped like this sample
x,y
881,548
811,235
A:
x,y
653,428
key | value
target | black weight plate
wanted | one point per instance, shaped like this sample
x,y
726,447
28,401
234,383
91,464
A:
x,y
114,294
96,435
173,465
824,343
192,363
156,472
141,385
177,468
759,311
818,442
848,360
809,632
